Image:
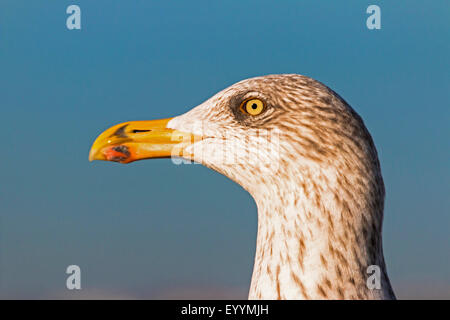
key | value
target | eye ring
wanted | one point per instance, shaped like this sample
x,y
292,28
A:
x,y
252,106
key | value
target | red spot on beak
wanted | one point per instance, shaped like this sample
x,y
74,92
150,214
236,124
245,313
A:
x,y
116,153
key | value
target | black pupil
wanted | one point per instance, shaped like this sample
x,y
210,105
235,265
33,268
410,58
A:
x,y
254,106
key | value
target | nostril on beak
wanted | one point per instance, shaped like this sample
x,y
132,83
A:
x,y
138,131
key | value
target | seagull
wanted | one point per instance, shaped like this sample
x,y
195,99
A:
x,y
311,166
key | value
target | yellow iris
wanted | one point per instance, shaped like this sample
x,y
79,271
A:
x,y
253,106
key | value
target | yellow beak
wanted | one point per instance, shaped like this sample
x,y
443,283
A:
x,y
136,140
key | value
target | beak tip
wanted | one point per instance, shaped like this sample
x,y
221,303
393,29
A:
x,y
94,155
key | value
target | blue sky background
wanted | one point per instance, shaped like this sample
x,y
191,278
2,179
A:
x,y
152,229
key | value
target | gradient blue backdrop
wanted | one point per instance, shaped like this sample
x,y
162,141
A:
x,y
152,229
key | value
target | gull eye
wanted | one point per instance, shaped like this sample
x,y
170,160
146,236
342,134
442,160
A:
x,y
252,107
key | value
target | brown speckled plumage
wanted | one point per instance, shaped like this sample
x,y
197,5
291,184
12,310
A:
x,y
320,208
